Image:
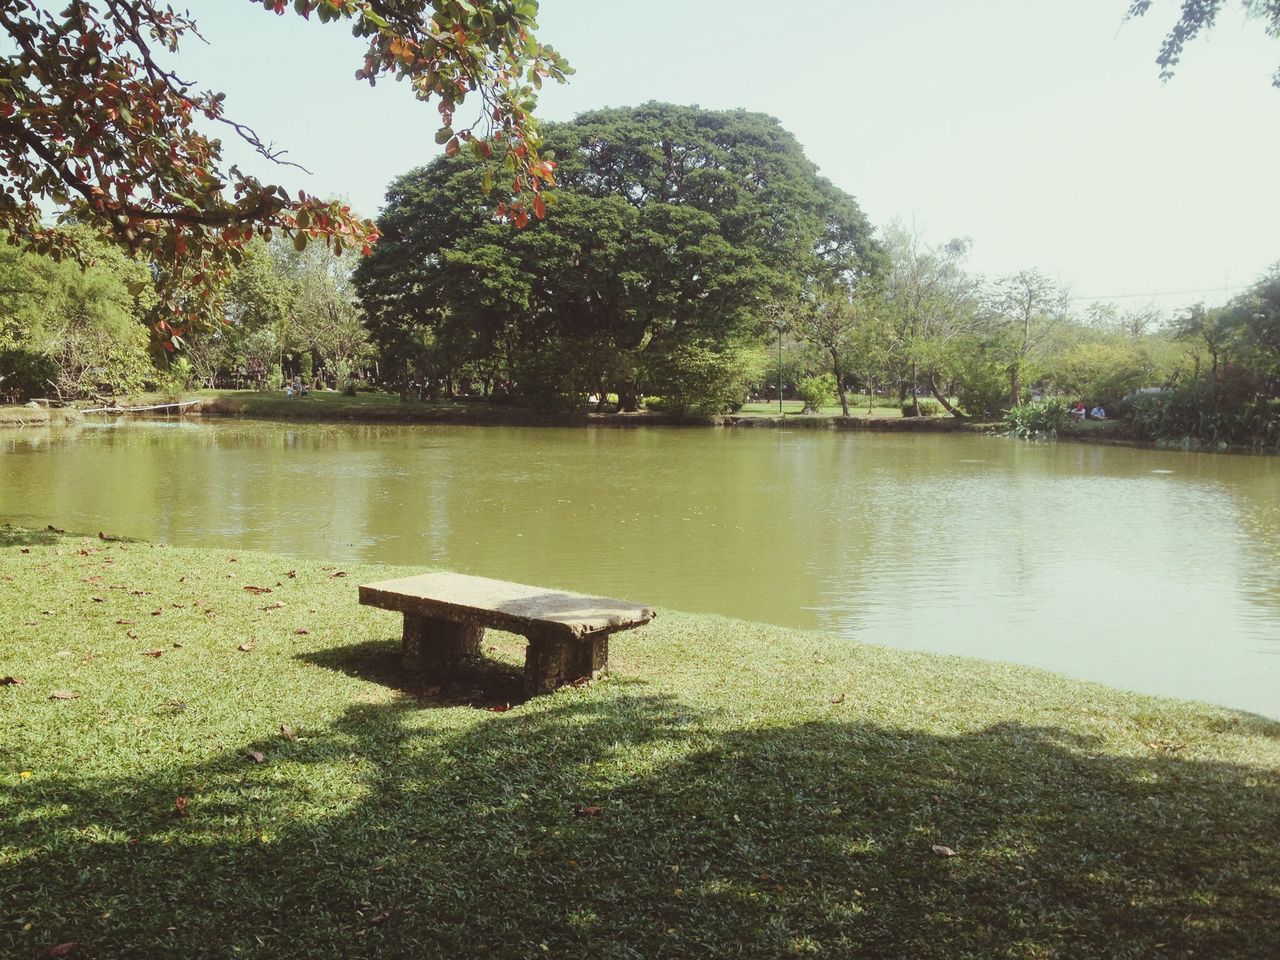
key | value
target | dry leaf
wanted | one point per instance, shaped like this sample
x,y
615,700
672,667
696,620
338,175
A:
x,y
153,653
302,631
245,647
588,811
156,613
64,695
838,698
253,589
292,574
274,606
381,918
126,623
26,550
942,851
61,950
286,731
98,599
500,708
180,807
11,681
338,573
177,645
257,757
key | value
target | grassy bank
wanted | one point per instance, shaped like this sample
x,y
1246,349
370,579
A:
x,y
241,773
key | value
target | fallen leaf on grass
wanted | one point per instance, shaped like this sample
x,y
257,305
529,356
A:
x,y
245,647
500,708
26,550
256,756
156,613
64,695
588,811
11,681
52,529
177,645
302,631
286,731
131,634
274,606
153,653
61,950
126,623
838,698
139,593
942,851
180,807
292,574
338,573
108,537
253,589
98,599
381,918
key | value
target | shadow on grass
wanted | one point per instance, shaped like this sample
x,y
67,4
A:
x,y
620,824
11,536
480,682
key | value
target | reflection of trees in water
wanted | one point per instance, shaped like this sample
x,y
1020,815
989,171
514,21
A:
x,y
404,836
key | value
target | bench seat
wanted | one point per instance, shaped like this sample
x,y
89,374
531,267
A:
x,y
446,614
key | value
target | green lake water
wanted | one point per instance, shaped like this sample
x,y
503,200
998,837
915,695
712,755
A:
x,y
1151,570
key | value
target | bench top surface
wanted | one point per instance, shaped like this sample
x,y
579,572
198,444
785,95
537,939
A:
x,y
503,605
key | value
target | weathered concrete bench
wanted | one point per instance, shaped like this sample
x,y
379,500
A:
x,y
445,616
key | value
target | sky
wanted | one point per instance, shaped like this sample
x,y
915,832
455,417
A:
x,y
1038,128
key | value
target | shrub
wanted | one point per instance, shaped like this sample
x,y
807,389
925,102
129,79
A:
x,y
702,380
25,374
1214,413
1038,419
817,392
928,408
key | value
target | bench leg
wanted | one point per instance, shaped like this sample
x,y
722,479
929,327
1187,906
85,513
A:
x,y
436,646
551,662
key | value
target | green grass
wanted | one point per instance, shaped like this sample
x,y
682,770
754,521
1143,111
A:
x,y
881,407
761,792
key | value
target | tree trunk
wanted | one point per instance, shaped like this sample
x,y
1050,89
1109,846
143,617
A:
x,y
946,405
1014,386
628,397
844,399
871,393
915,391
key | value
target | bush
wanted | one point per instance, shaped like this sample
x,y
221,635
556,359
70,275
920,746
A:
x,y
1038,419
817,392
702,380
25,374
928,408
1213,413
982,388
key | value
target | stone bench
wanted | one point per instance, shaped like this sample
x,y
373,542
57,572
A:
x,y
445,616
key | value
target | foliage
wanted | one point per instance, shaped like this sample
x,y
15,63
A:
x,y
920,408
701,379
817,392
1104,370
670,227
1210,413
1038,419
1198,16
93,120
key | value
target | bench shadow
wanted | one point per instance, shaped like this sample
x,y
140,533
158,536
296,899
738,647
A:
x,y
11,536
481,682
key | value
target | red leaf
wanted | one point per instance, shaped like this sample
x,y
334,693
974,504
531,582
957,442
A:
x,y
539,207
588,811
180,807
500,708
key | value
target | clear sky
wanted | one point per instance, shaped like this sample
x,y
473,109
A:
x,y
1039,128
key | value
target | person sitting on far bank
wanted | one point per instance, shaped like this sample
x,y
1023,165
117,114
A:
x,y
1098,413
297,385
288,391
1078,410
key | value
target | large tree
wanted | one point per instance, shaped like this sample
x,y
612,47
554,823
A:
x,y
95,120
671,228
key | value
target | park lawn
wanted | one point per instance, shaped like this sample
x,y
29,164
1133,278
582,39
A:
x,y
733,789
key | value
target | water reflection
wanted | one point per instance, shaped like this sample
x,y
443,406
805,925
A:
x,y
1153,570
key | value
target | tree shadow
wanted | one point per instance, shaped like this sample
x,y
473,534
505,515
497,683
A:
x,y
627,824
11,536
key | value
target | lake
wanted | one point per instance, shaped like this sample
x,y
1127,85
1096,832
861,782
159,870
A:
x,y
1152,570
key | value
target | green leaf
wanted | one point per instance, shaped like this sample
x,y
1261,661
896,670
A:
x,y
300,240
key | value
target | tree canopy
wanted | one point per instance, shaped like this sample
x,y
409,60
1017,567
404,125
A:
x,y
671,228
95,120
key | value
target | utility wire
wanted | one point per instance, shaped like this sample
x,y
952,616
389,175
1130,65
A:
x,y
1167,293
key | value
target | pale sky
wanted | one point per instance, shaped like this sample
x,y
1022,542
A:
x,y
1040,128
